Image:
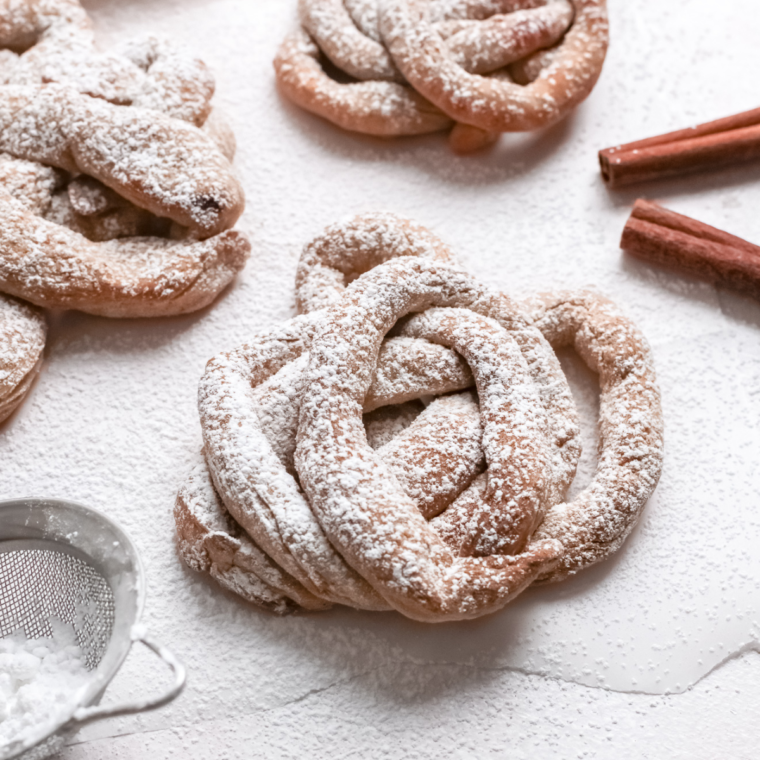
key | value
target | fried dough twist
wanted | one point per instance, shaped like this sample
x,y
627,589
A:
x,y
407,67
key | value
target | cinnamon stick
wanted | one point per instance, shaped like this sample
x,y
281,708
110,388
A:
x,y
684,244
716,143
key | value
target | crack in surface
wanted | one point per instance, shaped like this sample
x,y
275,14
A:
x,y
750,647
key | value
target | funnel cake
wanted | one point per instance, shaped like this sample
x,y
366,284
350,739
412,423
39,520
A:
x,y
113,210
74,241
255,497
444,511
479,67
116,211
407,367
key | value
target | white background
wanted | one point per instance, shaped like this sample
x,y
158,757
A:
x,y
653,654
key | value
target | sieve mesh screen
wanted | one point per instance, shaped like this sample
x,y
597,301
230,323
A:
x,y
37,584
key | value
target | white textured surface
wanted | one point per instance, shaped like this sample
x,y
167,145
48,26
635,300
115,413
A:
x,y
578,670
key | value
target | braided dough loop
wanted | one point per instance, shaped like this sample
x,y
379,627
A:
x,y
494,104
22,340
361,508
487,37
160,164
129,277
631,438
59,47
334,29
260,494
384,109
211,542
483,46
345,251
241,414
268,416
349,249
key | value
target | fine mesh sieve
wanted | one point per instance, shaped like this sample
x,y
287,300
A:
x,y
63,560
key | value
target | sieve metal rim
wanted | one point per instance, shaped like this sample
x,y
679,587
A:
x,y
26,544
47,531
39,521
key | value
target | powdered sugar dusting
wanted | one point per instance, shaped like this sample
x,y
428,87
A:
x,y
441,50
333,26
495,104
164,165
53,266
22,340
59,46
95,195
40,683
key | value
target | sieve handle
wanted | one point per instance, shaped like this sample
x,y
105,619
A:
x,y
87,714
